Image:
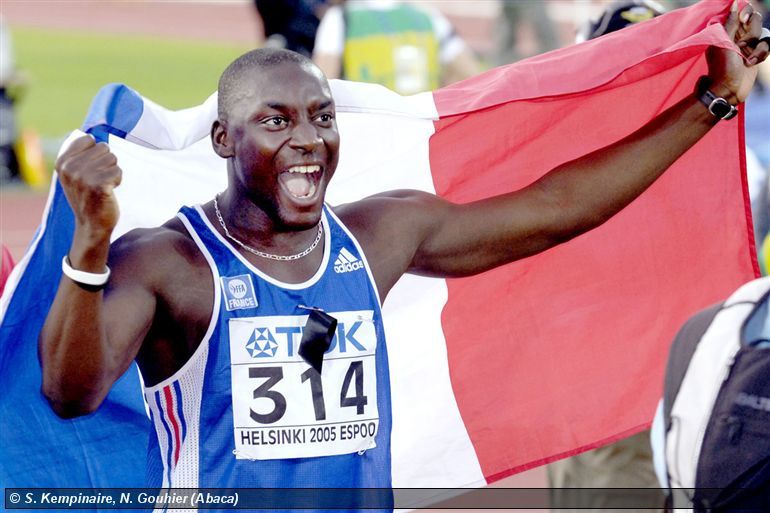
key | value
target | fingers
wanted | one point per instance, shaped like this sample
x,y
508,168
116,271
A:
x,y
750,25
88,165
108,163
85,152
746,13
736,73
79,145
732,23
747,35
760,53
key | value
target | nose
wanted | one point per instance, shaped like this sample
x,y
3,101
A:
x,y
305,136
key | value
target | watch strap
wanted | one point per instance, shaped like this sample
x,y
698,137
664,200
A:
x,y
717,106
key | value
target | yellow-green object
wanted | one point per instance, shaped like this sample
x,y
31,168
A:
x,y
395,47
764,256
29,153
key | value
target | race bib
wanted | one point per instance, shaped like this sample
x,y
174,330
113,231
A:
x,y
283,408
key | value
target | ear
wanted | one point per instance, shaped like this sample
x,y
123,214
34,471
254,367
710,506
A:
x,y
220,141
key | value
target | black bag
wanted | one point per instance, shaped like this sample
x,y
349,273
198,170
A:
x,y
732,464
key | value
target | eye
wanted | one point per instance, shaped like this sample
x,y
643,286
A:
x,y
325,117
275,122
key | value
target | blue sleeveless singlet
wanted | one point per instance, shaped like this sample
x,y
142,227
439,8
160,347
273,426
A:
x,y
246,411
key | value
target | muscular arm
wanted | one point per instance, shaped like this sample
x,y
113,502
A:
x,y
90,337
421,233
568,201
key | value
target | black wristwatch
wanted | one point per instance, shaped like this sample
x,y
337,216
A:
x,y
718,107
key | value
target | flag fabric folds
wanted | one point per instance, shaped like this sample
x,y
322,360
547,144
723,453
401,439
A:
x,y
493,374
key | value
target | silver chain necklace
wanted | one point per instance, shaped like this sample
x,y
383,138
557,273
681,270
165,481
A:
x,y
262,254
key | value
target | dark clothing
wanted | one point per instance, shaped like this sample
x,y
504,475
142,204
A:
x,y
295,20
9,164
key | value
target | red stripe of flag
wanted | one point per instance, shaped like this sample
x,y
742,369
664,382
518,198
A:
x,y
565,351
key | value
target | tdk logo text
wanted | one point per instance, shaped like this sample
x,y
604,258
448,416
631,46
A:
x,y
265,342
239,292
347,262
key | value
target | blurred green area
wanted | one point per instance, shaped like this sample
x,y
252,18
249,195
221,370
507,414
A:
x,y
65,69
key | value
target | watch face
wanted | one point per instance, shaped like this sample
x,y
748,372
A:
x,y
721,109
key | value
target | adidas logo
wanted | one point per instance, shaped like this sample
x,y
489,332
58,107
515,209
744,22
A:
x,y
347,262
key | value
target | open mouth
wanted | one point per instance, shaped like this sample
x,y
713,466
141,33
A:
x,y
301,182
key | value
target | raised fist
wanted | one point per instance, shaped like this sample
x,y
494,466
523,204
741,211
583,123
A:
x,y
89,173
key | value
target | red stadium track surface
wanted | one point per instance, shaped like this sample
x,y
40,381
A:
x,y
20,213
236,22
233,22
223,22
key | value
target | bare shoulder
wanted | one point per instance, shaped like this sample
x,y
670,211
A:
x,y
396,209
147,254
391,227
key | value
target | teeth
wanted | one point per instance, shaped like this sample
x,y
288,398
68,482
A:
x,y
304,169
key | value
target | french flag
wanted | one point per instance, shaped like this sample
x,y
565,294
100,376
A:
x,y
493,374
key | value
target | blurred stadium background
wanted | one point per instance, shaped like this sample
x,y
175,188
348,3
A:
x,y
170,51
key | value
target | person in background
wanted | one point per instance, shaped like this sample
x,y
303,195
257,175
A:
x,y
517,14
406,48
291,24
10,82
618,15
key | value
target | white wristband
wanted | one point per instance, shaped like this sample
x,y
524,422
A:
x,y
82,277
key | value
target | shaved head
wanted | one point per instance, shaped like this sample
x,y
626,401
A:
x,y
231,86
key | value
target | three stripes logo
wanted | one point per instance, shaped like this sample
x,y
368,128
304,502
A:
x,y
347,262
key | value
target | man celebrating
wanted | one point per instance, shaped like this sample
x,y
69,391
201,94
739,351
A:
x,y
227,325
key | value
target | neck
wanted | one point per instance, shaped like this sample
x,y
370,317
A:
x,y
252,226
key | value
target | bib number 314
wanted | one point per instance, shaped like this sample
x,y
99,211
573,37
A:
x,y
273,375
283,408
